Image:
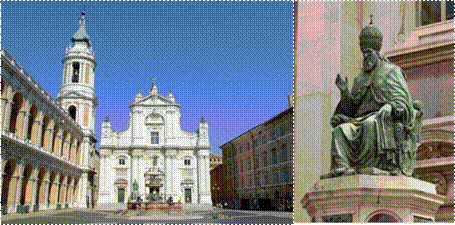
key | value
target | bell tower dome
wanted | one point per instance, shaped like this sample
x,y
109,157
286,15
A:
x,y
77,93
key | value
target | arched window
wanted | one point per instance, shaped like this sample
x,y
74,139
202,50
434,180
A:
x,y
187,161
75,77
121,161
72,111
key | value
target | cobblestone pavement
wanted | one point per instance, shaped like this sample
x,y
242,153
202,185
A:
x,y
87,216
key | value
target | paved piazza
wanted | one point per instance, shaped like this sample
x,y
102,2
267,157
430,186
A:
x,y
87,216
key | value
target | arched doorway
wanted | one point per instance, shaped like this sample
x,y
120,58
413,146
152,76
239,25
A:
x,y
8,185
32,127
26,190
15,120
44,133
69,193
40,188
51,190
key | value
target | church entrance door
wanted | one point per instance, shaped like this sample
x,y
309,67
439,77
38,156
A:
x,y
121,195
187,195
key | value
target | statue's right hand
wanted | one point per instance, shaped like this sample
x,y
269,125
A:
x,y
342,84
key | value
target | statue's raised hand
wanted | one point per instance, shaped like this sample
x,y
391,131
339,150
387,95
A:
x,y
342,84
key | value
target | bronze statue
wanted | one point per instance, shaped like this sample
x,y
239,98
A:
x,y
376,126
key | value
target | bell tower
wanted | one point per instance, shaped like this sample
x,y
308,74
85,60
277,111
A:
x,y
77,93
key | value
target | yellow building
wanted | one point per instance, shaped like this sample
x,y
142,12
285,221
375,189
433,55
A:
x,y
418,37
258,166
48,146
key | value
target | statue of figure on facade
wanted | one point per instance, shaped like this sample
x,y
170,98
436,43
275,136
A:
x,y
376,124
135,193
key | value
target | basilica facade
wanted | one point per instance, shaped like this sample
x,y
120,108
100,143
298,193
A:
x,y
155,155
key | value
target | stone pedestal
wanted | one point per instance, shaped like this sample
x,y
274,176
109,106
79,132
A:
x,y
372,198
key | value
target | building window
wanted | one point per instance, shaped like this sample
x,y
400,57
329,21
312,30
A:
x,y
75,77
248,146
240,150
264,139
274,158
155,160
272,135
282,131
429,12
241,167
249,166
255,143
284,153
187,162
155,138
234,151
266,179
257,181
72,112
121,161
256,163
264,157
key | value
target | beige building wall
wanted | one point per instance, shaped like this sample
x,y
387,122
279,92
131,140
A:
x,y
326,43
258,166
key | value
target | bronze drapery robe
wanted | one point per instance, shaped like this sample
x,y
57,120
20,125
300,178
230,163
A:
x,y
372,138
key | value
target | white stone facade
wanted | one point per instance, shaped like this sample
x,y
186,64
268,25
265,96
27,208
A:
x,y
156,153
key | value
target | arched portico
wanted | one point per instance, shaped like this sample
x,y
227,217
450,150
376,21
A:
x,y
17,114
9,182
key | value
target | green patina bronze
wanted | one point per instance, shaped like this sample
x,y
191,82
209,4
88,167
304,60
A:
x,y
376,124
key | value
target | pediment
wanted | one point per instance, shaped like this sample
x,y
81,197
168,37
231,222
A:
x,y
155,100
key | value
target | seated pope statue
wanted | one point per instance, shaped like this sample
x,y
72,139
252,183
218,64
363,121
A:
x,y
376,126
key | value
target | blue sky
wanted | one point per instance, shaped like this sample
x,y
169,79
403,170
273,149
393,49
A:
x,y
230,62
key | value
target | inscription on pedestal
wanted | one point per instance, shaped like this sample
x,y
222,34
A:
x,y
342,218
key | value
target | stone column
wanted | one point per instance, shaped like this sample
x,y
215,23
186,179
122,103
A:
x,y
83,190
104,188
57,142
85,152
55,191
19,184
65,191
9,103
46,193
39,123
35,186
199,176
48,136
26,119
169,163
166,176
